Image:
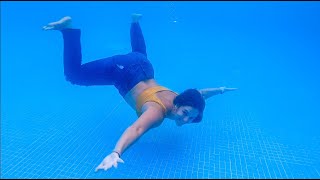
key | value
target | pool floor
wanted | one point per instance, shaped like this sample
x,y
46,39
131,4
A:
x,y
228,144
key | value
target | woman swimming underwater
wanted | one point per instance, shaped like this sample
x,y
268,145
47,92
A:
x,y
133,75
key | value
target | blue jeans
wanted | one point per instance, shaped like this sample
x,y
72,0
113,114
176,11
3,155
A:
x,y
122,71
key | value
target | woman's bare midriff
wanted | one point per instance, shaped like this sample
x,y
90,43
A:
x,y
165,96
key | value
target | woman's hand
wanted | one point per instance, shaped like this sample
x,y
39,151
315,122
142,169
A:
x,y
225,89
109,161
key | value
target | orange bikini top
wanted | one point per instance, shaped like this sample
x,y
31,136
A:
x,y
149,95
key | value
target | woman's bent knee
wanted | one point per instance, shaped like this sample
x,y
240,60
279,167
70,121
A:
x,y
75,79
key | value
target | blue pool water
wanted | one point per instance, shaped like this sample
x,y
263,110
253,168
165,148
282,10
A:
x,y
268,128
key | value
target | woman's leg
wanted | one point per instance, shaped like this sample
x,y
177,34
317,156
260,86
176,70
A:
x,y
98,72
137,40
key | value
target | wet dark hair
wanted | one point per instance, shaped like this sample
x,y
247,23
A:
x,y
193,98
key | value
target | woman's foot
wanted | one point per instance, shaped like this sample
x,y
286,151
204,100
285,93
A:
x,y
63,23
136,17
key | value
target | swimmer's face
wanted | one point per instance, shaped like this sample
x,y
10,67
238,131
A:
x,y
184,114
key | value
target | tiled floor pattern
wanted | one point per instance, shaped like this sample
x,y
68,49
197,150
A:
x,y
229,145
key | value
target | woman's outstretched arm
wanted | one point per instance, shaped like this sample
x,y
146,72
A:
x,y
149,119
